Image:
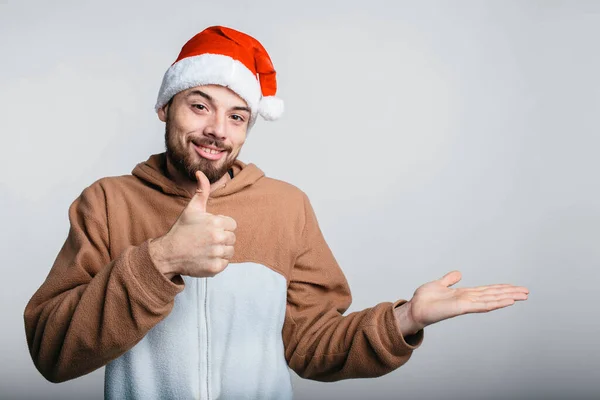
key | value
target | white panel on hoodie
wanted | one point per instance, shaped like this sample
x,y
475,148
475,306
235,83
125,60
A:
x,y
245,310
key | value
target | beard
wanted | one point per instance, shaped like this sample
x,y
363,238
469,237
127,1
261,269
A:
x,y
188,163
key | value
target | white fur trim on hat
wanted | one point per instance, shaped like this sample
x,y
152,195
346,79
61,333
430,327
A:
x,y
210,69
270,108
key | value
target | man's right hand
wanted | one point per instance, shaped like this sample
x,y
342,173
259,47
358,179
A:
x,y
198,244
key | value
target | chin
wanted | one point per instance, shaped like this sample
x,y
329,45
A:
x,y
213,170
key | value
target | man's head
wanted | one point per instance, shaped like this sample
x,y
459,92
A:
x,y
209,98
206,127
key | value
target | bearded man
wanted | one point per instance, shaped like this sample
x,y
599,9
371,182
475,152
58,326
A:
x,y
199,277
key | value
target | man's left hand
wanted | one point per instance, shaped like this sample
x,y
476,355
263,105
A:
x,y
436,301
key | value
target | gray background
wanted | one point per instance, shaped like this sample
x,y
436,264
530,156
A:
x,y
430,136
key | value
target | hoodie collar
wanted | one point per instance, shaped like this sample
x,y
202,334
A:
x,y
153,171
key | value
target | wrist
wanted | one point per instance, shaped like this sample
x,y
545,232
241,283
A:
x,y
408,326
158,254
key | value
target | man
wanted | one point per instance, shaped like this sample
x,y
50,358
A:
x,y
199,277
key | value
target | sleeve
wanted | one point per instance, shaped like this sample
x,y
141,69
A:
x,y
320,342
91,309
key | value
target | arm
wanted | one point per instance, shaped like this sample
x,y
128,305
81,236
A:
x,y
321,343
92,309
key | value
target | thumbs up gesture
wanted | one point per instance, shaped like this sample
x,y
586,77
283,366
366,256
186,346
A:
x,y
198,244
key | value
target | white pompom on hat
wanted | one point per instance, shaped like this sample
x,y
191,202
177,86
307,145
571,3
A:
x,y
226,57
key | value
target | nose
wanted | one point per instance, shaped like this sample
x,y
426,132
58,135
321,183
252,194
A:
x,y
215,128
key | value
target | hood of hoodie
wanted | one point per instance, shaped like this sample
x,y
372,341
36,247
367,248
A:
x,y
153,172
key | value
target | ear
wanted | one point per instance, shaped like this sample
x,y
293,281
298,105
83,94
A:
x,y
162,113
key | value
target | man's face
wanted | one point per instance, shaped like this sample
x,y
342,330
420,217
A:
x,y
205,129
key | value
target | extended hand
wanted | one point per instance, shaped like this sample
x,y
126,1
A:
x,y
198,244
436,301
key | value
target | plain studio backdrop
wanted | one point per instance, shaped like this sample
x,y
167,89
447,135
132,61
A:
x,y
430,136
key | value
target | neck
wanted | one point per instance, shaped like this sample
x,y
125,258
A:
x,y
189,185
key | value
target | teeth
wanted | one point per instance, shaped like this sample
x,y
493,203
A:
x,y
210,151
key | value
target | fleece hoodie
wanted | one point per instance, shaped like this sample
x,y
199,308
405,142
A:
x,y
279,303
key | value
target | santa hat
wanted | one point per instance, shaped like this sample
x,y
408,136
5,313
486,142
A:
x,y
226,57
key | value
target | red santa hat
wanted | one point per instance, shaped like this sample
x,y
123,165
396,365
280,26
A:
x,y
226,57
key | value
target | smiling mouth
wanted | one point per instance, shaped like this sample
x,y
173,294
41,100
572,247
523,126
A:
x,y
209,153
209,150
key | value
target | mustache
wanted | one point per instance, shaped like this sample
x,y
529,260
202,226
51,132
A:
x,y
203,141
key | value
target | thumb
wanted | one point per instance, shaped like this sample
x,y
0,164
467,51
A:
x,y
202,191
451,278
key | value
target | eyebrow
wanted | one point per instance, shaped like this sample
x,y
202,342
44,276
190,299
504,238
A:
x,y
200,93
208,97
240,108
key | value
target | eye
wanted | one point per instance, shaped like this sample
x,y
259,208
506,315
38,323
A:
x,y
199,106
237,118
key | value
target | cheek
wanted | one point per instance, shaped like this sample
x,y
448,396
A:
x,y
236,148
239,139
185,125
178,138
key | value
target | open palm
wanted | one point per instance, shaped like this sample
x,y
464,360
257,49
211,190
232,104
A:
x,y
436,301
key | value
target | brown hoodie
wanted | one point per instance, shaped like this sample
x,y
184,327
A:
x,y
105,300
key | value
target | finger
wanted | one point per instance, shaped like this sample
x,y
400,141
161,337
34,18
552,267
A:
x,y
487,306
501,289
221,251
222,238
228,238
517,296
217,265
228,252
226,223
451,278
498,286
202,191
